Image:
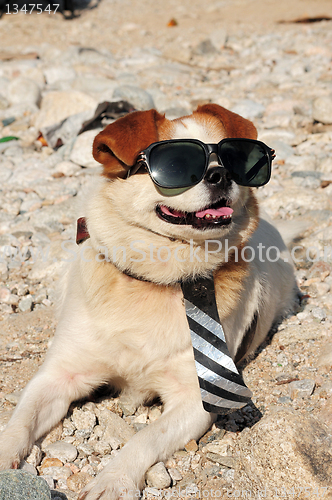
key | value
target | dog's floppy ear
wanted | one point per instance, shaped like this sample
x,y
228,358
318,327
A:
x,y
234,125
119,144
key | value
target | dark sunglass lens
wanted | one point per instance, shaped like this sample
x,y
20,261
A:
x,y
177,164
247,161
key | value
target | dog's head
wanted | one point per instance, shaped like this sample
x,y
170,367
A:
x,y
214,208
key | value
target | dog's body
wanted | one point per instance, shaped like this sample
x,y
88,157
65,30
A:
x,y
133,333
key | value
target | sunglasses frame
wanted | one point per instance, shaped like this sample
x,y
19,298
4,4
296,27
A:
x,y
144,158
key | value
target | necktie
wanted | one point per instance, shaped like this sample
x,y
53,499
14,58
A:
x,y
222,387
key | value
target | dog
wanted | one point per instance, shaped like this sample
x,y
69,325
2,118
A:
x,y
123,321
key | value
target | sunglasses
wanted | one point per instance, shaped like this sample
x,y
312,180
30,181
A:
x,y
183,163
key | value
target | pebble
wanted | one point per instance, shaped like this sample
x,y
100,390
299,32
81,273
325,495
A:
x,y
31,94
191,446
318,313
82,150
63,451
77,481
51,462
158,477
301,388
26,303
322,109
35,456
116,431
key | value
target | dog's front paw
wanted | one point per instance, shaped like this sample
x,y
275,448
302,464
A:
x,y
110,485
9,458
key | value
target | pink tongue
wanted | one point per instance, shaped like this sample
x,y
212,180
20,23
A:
x,y
173,213
219,212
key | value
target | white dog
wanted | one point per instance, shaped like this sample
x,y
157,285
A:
x,y
123,320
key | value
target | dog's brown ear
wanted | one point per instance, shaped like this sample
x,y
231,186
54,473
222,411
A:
x,y
119,144
234,125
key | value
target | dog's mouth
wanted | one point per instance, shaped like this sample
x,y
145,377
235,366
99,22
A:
x,y
218,214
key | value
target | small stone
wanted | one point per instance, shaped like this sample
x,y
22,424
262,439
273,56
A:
x,y
117,432
191,445
82,150
35,456
326,165
158,477
40,239
138,97
322,109
127,407
319,313
249,109
26,303
85,448
63,451
51,462
67,168
4,294
284,400
84,421
229,462
140,419
76,482
102,447
206,47
28,467
40,296
23,90
301,388
175,474
57,473
49,480
18,485
154,413
55,74
218,38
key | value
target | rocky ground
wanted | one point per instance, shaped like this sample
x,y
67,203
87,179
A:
x,y
235,53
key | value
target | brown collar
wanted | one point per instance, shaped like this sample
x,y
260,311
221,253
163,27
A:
x,y
82,232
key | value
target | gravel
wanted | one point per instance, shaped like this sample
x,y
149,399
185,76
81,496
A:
x,y
278,75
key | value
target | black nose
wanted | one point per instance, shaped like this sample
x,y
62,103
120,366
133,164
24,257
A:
x,y
218,176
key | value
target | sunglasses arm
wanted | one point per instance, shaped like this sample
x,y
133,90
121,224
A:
x,y
140,162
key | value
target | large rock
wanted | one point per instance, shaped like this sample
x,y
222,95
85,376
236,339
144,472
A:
x,y
58,105
21,485
285,451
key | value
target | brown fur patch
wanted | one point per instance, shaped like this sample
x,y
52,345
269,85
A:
x,y
234,125
119,144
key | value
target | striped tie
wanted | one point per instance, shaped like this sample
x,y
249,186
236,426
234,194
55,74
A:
x,y
222,387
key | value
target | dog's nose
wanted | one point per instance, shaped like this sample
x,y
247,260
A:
x,y
218,176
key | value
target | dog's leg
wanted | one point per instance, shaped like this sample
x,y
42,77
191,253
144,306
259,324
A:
x,y
44,402
181,421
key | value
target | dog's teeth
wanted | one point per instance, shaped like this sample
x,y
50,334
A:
x,y
208,216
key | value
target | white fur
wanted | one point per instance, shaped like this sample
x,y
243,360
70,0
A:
x,y
134,334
